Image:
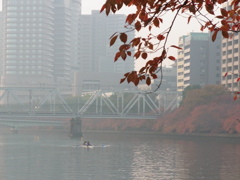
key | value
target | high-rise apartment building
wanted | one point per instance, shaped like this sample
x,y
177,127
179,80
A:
x,y
231,60
28,42
38,47
199,60
1,44
66,19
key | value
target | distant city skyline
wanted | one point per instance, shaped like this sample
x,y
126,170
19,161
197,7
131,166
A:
x,y
89,5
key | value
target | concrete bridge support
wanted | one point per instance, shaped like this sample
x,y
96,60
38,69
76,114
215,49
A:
x,y
76,128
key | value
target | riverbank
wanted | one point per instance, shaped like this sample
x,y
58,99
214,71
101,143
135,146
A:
x,y
163,134
36,131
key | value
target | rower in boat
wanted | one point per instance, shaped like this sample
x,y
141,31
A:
x,y
87,143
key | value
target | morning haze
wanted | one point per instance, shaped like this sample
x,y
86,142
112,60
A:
x,y
65,116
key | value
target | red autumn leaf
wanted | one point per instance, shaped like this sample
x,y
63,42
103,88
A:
x,y
220,17
235,98
156,22
160,37
123,55
148,81
122,80
138,26
154,76
136,81
113,39
129,53
118,54
123,37
214,35
225,34
130,77
238,79
137,54
224,12
171,58
108,8
150,46
149,28
225,74
103,7
135,41
189,18
130,18
209,8
144,55
176,47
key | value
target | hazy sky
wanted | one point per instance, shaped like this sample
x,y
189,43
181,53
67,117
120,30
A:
x,y
180,28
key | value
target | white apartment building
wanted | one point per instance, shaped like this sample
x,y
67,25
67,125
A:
x,y
231,60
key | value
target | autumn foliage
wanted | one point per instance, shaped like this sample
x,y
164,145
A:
x,y
149,14
207,110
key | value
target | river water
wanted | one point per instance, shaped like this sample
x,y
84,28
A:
x,y
117,156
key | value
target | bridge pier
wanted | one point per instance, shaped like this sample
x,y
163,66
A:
x,y
76,128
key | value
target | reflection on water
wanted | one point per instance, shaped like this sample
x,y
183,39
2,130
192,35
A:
x,y
53,156
188,158
161,161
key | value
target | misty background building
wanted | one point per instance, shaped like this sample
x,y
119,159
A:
x,y
96,55
28,43
97,67
1,44
199,60
66,42
46,42
40,44
169,79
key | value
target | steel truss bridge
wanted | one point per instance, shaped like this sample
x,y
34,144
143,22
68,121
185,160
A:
x,y
47,103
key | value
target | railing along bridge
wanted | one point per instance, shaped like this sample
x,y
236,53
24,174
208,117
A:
x,y
48,102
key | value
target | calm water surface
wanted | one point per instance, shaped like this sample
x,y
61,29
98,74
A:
x,y
116,156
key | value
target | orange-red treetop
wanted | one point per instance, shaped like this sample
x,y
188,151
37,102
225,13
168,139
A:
x,y
149,14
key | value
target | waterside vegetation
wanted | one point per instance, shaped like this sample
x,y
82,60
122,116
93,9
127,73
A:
x,y
206,110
